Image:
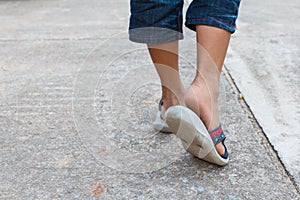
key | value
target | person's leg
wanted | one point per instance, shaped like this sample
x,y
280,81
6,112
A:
x,y
158,24
202,96
165,60
214,22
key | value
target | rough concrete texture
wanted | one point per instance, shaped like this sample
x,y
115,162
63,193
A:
x,y
264,62
77,104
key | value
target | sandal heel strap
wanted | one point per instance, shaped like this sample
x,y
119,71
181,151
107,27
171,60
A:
x,y
160,104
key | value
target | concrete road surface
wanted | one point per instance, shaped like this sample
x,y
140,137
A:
x,y
264,61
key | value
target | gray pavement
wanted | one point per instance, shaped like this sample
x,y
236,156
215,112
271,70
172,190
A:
x,y
264,62
77,101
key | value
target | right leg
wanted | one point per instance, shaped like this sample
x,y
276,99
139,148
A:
x,y
202,96
213,22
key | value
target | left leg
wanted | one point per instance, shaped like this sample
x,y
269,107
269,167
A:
x,y
165,60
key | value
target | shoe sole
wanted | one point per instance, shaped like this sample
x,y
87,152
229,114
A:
x,y
195,138
160,125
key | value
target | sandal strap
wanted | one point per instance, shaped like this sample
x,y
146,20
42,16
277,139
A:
x,y
160,104
217,135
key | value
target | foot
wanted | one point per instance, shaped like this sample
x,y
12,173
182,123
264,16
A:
x,y
159,123
203,100
170,99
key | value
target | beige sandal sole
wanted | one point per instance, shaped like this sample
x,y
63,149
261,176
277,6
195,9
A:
x,y
195,138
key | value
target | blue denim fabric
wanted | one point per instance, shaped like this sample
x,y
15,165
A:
x,y
155,21
218,13
159,21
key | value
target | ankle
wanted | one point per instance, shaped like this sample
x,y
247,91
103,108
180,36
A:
x,y
208,84
191,100
170,98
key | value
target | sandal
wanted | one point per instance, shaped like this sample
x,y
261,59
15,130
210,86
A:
x,y
159,124
217,135
194,135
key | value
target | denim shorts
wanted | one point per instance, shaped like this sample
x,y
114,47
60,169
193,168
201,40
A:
x,y
160,21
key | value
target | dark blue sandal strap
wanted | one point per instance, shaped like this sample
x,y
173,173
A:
x,y
159,107
160,104
226,154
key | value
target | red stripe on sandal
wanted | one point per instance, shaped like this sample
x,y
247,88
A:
x,y
216,132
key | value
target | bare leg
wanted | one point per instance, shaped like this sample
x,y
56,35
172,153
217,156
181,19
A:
x,y
165,59
202,96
